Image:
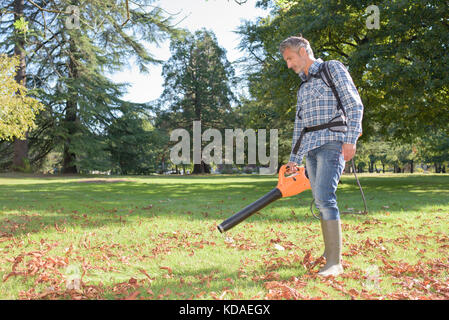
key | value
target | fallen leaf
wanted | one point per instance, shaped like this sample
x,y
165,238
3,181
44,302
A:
x,y
168,269
132,296
146,274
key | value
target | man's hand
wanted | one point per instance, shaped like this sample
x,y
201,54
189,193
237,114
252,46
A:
x,y
348,151
292,167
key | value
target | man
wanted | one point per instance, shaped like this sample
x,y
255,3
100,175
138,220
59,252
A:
x,y
326,150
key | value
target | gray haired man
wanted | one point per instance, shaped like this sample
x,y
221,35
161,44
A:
x,y
328,124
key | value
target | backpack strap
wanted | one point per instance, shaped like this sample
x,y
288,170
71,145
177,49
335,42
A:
x,y
324,69
316,128
300,85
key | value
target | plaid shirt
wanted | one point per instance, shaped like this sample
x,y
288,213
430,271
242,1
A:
x,y
317,105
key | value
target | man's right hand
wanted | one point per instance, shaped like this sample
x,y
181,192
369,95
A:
x,y
292,167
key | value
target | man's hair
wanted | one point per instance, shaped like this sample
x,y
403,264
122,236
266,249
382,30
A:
x,y
295,43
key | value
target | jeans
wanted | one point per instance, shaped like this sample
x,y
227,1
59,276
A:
x,y
325,165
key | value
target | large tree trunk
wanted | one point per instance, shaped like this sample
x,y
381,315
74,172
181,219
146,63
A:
x,y
20,146
20,153
201,167
69,156
71,121
348,167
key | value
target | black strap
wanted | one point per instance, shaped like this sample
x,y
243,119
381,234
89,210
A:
x,y
316,128
325,69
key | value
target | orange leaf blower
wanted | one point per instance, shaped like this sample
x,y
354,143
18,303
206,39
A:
x,y
286,187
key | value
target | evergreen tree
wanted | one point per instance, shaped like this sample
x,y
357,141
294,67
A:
x,y
134,143
198,82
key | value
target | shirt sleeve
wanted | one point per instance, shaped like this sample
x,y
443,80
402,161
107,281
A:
x,y
350,100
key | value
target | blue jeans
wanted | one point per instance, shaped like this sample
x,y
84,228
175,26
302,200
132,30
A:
x,y
325,165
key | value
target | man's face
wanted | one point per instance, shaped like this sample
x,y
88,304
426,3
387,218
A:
x,y
295,60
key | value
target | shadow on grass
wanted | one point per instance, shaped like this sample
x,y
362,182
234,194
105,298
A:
x,y
41,205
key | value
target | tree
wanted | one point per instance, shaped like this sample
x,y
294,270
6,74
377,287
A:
x,y
71,46
134,143
398,68
17,110
433,148
197,86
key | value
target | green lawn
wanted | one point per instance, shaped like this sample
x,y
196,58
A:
x,y
156,238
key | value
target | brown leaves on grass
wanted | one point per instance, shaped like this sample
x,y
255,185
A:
x,y
147,275
170,271
36,265
418,281
277,290
422,279
289,290
309,263
267,277
165,242
365,247
239,242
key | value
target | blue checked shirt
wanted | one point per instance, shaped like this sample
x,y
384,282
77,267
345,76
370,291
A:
x,y
317,105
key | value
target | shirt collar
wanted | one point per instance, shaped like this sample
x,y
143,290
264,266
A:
x,y
313,69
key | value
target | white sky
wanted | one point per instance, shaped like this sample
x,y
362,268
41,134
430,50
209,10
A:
x,y
221,16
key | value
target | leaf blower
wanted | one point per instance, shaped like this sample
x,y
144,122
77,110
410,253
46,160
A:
x,y
286,187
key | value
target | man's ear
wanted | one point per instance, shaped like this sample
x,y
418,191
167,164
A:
x,y
302,51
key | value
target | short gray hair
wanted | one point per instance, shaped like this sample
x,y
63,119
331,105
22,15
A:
x,y
296,43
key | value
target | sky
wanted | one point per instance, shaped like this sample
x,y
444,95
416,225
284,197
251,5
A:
x,y
220,16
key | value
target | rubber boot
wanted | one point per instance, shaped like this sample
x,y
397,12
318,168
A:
x,y
332,243
323,232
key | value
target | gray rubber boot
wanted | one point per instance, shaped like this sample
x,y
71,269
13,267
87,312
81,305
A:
x,y
323,231
332,243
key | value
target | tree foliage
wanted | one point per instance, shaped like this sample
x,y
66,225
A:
x,y
399,68
17,109
69,53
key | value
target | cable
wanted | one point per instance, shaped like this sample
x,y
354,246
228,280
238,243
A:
x,y
311,209
361,190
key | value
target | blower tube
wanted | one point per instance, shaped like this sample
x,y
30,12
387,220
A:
x,y
249,210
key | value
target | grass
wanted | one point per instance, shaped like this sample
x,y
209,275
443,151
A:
x,y
155,237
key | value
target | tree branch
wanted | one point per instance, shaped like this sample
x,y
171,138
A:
x,y
43,9
335,50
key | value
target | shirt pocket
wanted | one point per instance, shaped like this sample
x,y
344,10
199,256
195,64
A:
x,y
318,90
314,91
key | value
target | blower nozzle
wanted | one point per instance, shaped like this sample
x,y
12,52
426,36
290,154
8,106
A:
x,y
286,187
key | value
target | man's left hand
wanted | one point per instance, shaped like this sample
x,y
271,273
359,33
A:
x,y
348,151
